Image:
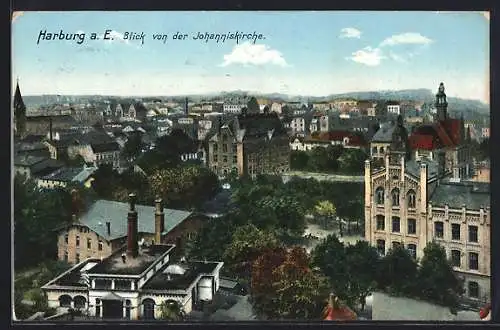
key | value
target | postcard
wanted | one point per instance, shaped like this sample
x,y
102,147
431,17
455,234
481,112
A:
x,y
251,166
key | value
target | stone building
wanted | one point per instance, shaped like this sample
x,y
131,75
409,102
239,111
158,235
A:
x,y
412,202
134,281
249,144
102,230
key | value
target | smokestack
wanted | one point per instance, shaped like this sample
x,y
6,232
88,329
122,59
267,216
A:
x,y
132,246
108,226
50,129
186,106
159,220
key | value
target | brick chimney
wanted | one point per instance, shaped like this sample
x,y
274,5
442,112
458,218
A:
x,y
132,246
159,220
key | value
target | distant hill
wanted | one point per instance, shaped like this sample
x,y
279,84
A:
x,y
423,95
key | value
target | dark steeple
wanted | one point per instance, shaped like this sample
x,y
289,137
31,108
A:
x,y
399,141
441,104
186,106
463,133
19,111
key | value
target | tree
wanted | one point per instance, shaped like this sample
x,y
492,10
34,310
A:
x,y
326,211
184,187
133,146
287,112
352,160
298,160
246,245
253,105
36,214
171,310
397,272
436,280
283,285
363,262
330,256
318,159
106,179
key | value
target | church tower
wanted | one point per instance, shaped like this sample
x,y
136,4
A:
x,y
19,112
441,104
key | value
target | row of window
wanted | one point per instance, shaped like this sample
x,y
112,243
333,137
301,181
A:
x,y
438,228
456,255
225,147
224,158
410,197
89,242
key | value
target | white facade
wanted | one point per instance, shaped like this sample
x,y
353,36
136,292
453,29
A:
x,y
298,125
232,108
394,108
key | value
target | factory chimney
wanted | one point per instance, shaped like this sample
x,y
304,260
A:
x,y
132,246
159,219
50,129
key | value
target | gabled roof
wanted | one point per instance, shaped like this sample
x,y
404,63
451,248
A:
x,y
103,211
384,134
443,134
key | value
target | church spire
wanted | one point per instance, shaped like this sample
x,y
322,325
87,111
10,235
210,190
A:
x,y
441,104
19,110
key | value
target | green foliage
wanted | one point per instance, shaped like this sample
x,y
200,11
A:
x,y
253,105
284,287
436,280
332,159
398,272
171,310
186,187
36,214
299,160
133,146
246,245
326,212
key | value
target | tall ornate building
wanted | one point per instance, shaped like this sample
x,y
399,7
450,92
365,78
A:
x,y
19,112
412,201
249,144
446,134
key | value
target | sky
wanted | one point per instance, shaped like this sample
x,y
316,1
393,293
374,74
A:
x,y
297,53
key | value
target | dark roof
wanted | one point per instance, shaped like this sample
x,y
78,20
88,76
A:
x,y
413,168
472,195
384,134
258,125
73,277
103,211
55,119
33,138
162,281
105,147
132,266
28,160
66,174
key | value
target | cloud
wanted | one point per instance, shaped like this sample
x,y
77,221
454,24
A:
x,y
406,38
350,33
252,54
368,56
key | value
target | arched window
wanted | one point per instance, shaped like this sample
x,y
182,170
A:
x,y
148,306
412,249
65,301
395,197
127,309
381,150
374,150
411,197
80,302
379,195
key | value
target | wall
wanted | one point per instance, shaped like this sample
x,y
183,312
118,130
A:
x,y
386,307
82,249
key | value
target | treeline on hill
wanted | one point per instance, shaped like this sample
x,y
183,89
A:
x,y
332,159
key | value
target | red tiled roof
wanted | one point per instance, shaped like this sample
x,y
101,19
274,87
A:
x,y
420,141
445,133
340,314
